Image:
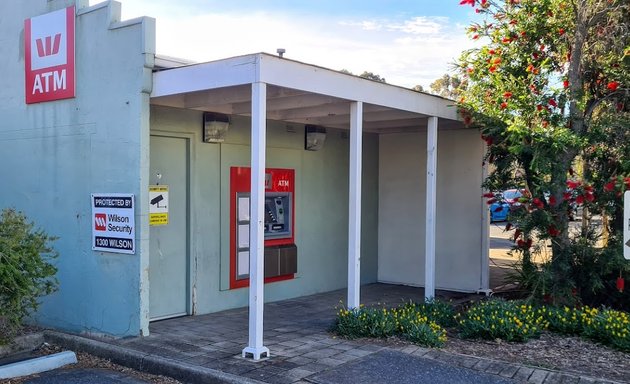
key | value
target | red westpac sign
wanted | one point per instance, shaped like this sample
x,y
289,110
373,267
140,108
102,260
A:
x,y
49,56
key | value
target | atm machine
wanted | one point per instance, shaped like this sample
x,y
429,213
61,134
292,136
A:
x,y
279,214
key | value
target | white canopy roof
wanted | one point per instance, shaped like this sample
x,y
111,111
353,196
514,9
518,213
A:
x,y
298,93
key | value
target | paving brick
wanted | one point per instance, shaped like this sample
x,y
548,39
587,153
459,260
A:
x,y
523,373
330,362
553,378
538,376
509,370
481,365
570,379
298,373
586,380
495,368
320,354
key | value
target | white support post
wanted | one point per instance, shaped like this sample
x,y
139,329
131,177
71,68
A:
x,y
429,254
354,200
485,238
255,347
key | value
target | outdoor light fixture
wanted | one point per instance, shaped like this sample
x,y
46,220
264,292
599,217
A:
x,y
314,137
215,127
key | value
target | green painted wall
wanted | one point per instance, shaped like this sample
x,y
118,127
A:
x,y
321,206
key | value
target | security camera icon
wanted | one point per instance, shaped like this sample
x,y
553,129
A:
x,y
156,201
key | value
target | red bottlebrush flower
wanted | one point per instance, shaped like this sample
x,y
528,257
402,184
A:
x,y
530,68
589,196
565,83
542,47
539,204
520,243
484,3
529,243
579,199
492,68
552,200
626,181
475,37
535,55
497,60
464,2
620,284
508,226
567,196
513,22
588,188
610,186
545,123
612,86
492,51
517,233
553,103
488,139
506,40
491,201
553,231
561,31
477,10
507,95
467,120
573,184
504,105
539,107
488,195
523,33
470,70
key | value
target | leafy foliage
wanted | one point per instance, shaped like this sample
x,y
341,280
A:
x,y
499,319
550,91
26,272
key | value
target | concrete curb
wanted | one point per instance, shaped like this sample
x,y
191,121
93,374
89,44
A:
x,y
144,362
22,343
37,365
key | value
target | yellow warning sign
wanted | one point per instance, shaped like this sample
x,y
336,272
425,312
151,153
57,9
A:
x,y
158,204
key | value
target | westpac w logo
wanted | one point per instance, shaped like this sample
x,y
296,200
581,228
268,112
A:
x,y
50,48
100,222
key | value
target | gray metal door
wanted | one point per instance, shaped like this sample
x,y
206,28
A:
x,y
168,262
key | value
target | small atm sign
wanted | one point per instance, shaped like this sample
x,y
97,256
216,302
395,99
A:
x,y
49,56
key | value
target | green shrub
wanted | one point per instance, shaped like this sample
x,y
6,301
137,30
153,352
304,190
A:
x,y
437,311
565,321
26,273
608,326
499,319
407,321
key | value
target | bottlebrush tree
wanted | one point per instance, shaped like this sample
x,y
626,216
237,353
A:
x,y
548,87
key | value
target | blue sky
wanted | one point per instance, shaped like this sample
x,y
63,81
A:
x,y
407,42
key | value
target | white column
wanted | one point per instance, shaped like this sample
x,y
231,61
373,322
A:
x,y
485,237
429,252
354,200
255,347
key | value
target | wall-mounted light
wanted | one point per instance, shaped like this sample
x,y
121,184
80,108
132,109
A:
x,y
215,127
314,137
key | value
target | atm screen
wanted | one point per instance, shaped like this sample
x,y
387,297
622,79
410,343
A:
x,y
277,214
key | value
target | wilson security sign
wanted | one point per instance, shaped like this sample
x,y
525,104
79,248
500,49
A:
x,y
49,56
113,224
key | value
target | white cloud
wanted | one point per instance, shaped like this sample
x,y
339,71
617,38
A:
x,y
416,50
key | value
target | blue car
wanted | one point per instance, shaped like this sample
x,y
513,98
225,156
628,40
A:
x,y
500,209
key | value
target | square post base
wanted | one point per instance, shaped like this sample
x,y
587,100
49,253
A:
x,y
256,353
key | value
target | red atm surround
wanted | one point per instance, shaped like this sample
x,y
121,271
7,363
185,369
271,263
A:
x,y
276,180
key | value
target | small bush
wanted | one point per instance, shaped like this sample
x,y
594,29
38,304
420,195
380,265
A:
x,y
437,311
499,319
608,326
565,321
406,321
25,270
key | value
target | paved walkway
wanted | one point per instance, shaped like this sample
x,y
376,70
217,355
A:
x,y
207,348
